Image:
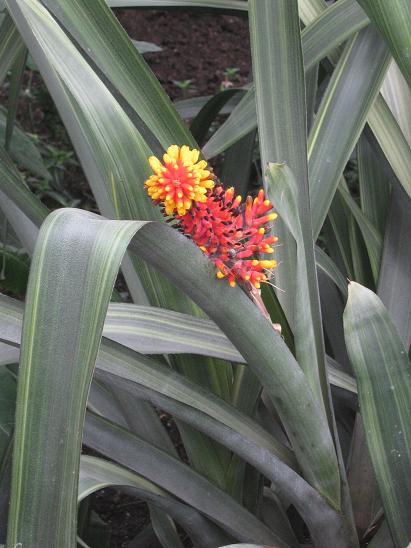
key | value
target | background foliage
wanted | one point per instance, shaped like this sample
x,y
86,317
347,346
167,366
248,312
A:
x,y
287,440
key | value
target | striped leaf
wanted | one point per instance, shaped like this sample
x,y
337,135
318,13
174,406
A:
x,y
341,117
393,20
96,474
318,39
102,244
383,374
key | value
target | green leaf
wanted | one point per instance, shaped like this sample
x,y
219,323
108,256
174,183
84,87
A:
x,y
7,411
146,47
14,275
331,28
237,5
144,329
361,478
361,264
242,329
383,374
93,111
341,117
90,24
392,141
397,94
318,39
395,274
11,45
280,98
96,474
16,78
238,162
336,235
8,354
17,191
372,237
189,108
23,149
393,20
55,501
149,376
240,123
309,344
175,477
332,308
241,320
201,124
169,391
327,265
374,182
152,330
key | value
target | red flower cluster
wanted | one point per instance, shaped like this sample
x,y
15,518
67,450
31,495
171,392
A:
x,y
232,234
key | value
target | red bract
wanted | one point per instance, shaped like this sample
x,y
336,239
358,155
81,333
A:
x,y
233,235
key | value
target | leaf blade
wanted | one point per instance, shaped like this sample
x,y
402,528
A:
x,y
383,374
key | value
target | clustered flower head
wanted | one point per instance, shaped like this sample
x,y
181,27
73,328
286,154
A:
x,y
179,181
231,233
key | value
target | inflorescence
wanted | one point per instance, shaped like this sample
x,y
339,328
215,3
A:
x,y
231,233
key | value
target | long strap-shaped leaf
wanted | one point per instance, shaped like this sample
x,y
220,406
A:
x,y
318,39
285,479
372,237
11,45
144,378
373,181
43,512
58,258
393,20
235,5
176,477
392,141
341,117
114,156
127,74
96,474
386,131
383,374
116,359
149,330
241,323
309,344
395,274
281,113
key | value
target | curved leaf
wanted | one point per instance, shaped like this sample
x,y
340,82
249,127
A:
x,y
143,329
286,194
102,244
111,147
341,117
318,39
176,477
238,5
383,374
96,474
11,45
393,20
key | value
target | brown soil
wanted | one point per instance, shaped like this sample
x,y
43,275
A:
x,y
195,47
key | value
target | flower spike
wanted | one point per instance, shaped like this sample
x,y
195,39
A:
x,y
232,234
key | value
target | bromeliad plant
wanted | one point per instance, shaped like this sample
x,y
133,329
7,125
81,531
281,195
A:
x,y
292,439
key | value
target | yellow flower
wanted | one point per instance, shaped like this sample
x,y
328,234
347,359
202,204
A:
x,y
179,180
